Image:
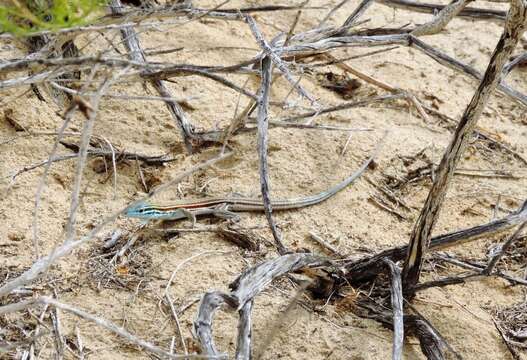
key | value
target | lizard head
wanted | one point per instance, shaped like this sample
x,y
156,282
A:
x,y
141,210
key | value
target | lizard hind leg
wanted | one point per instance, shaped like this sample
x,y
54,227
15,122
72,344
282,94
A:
x,y
222,212
190,215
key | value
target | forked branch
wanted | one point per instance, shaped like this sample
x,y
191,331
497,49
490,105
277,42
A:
x,y
421,234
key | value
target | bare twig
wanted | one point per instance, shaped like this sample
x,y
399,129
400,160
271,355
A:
x,y
503,249
429,8
83,154
263,118
325,244
397,308
243,344
270,53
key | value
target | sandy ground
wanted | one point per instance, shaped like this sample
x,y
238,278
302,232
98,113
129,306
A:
x,y
301,162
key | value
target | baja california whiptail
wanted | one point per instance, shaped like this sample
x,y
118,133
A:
x,y
225,207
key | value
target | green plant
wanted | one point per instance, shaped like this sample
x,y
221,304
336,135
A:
x,y
23,17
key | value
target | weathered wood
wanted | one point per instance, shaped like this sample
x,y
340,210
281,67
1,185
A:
x,y
421,234
397,308
367,268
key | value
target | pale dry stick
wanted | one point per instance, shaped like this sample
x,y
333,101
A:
x,y
397,39
31,79
178,325
397,308
172,344
186,261
479,132
429,8
75,30
43,264
217,135
358,12
44,300
39,164
292,28
270,53
152,160
255,279
239,121
346,144
114,166
40,322
80,345
285,124
75,63
243,341
333,250
520,59
367,268
263,118
441,20
59,339
248,285
345,106
125,97
206,74
210,302
169,283
5,347
128,245
422,232
492,263
83,153
68,116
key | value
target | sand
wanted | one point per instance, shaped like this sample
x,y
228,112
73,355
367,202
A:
x,y
301,162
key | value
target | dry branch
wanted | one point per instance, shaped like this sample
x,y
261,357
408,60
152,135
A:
x,y
504,248
243,344
244,289
441,19
263,119
429,8
271,54
420,238
365,269
397,307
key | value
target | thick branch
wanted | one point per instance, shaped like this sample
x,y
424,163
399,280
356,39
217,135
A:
x,y
420,238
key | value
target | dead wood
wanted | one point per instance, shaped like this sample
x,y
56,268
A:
x,y
244,289
430,8
420,238
290,54
365,269
243,345
397,307
432,343
263,118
